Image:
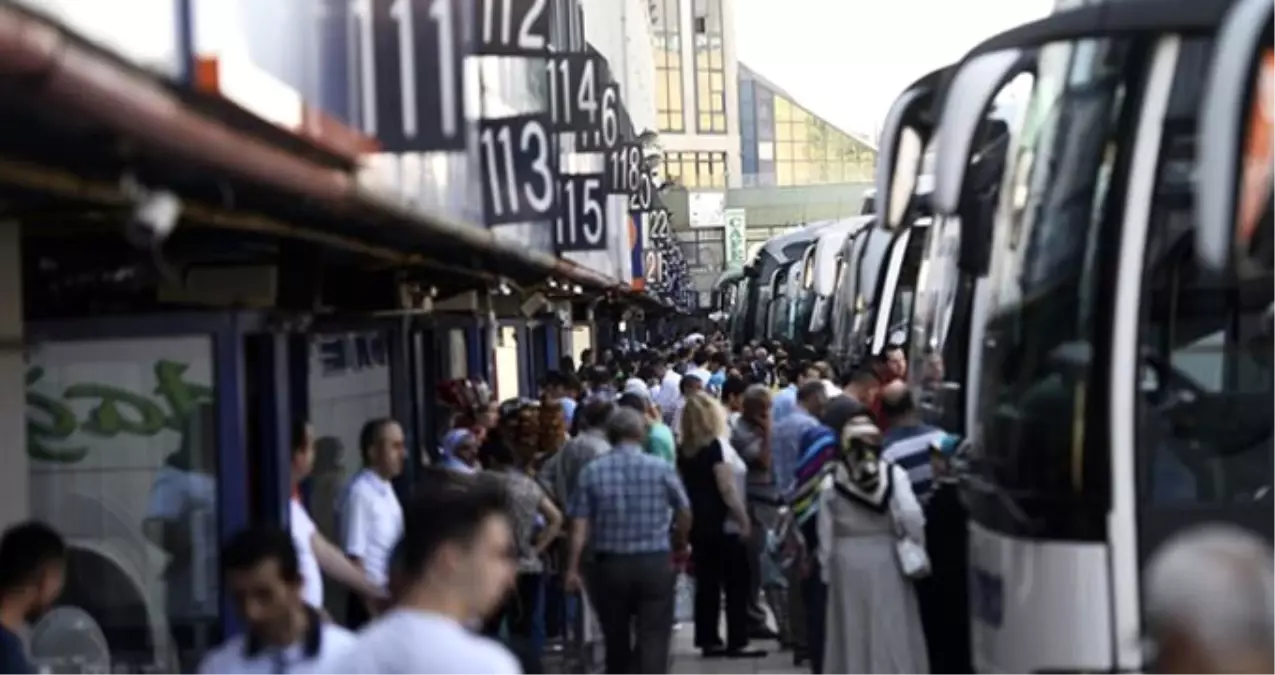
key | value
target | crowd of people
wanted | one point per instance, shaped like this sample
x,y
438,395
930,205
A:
x,y
814,510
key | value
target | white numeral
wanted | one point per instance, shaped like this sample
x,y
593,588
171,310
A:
x,y
401,13
610,123
526,38
587,96
441,12
534,132
362,12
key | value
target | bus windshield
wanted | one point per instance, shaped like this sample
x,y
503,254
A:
x,y
1204,429
1044,295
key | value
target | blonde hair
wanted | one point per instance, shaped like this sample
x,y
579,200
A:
x,y
703,421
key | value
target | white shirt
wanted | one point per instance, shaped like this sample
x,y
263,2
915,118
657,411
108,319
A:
x,y
230,656
303,529
413,641
188,499
372,521
669,394
740,469
700,373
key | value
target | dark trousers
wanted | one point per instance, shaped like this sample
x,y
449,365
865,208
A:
x,y
519,615
814,594
721,567
356,614
633,597
756,549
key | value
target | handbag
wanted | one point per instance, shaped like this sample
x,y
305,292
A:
x,y
914,561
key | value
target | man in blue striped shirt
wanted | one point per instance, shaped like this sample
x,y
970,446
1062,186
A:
x,y
907,440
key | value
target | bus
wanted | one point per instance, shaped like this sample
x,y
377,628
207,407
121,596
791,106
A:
x,y
1121,387
751,320
814,305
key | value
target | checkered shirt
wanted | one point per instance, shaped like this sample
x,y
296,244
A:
x,y
629,498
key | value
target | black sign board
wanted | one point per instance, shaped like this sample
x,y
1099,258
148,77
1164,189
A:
x,y
511,27
575,91
657,223
582,219
519,174
641,199
411,57
624,169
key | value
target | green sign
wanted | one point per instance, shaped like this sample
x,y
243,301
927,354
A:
x,y
736,239
51,421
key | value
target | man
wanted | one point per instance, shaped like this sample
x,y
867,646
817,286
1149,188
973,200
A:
x,y
894,364
943,597
750,436
555,387
457,569
688,387
625,505
861,385
718,363
786,400
32,571
560,474
313,550
907,440
785,444
670,390
659,438
283,633
733,396
371,515
699,366
1209,602
600,383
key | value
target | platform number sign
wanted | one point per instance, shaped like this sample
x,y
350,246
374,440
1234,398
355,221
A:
x,y
582,222
411,70
519,176
624,169
653,265
641,199
657,224
606,135
512,27
575,91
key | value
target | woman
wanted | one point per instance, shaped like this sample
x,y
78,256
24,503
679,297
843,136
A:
x,y
527,501
865,506
460,451
714,477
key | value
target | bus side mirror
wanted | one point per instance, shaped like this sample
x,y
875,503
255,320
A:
x,y
1233,198
908,128
971,149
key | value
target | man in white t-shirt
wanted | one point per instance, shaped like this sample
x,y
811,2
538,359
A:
x,y
371,516
454,567
282,633
314,552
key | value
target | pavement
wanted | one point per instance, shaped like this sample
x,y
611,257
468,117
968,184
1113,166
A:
x,y
686,658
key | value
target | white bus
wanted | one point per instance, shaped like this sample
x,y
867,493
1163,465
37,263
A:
x,y
1123,378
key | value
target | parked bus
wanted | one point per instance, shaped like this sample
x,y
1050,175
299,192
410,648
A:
x,y
1122,386
814,305
752,320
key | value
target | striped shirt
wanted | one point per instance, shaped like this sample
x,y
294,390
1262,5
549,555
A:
x,y
818,450
785,446
909,448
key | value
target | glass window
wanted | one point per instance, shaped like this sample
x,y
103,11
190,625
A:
x,y
783,151
783,173
122,443
1038,351
783,110
666,28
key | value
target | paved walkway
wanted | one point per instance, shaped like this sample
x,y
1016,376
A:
x,y
686,658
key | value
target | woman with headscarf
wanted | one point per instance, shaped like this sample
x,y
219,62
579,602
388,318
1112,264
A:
x,y
866,506
460,451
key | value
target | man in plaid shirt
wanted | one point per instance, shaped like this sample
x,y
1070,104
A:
x,y
624,507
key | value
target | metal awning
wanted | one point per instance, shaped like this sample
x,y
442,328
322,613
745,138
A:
x,y
43,65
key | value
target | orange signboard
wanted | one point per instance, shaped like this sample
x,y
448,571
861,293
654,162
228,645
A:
x,y
1255,179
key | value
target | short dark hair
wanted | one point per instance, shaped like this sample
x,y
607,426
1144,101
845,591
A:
x,y
595,413
797,369
26,549
555,378
720,358
299,427
599,375
632,401
687,380
896,405
733,386
701,357
439,517
258,544
810,390
860,376
371,433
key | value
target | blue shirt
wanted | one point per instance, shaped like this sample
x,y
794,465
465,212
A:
x,y
629,498
784,404
13,654
785,446
568,409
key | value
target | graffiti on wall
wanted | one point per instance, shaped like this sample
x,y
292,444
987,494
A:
x,y
115,411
